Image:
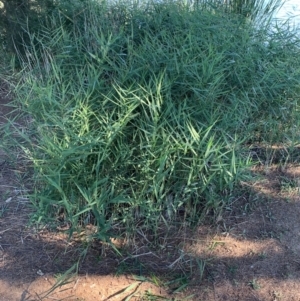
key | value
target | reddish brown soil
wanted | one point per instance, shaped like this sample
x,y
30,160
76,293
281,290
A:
x,y
253,253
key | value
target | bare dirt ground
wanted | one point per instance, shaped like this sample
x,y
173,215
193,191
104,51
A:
x,y
252,254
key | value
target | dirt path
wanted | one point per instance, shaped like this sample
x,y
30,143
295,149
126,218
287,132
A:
x,y
252,254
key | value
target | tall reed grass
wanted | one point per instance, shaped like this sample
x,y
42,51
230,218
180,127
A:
x,y
140,113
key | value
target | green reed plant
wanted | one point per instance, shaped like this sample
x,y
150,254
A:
x,y
139,112
258,11
254,9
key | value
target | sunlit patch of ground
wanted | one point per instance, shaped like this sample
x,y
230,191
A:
x,y
93,288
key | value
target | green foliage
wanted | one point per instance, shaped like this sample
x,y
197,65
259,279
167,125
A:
x,y
258,11
21,20
139,112
17,16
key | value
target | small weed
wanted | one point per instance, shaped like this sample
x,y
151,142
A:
x,y
263,255
57,276
276,296
178,284
130,266
201,266
156,280
214,244
289,185
3,209
232,269
268,234
254,284
269,215
288,200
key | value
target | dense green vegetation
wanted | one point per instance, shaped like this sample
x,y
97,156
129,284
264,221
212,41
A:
x,y
142,113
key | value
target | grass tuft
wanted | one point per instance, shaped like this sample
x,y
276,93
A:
x,y
140,113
